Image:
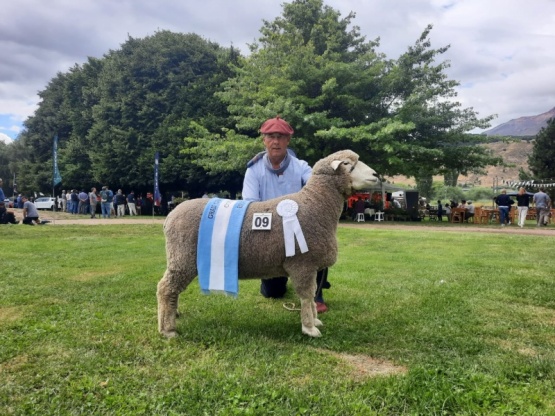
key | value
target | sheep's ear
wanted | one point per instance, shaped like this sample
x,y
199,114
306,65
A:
x,y
335,164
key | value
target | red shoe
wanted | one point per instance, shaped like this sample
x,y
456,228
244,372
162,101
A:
x,y
321,307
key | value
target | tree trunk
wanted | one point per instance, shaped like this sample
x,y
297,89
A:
x,y
424,184
451,178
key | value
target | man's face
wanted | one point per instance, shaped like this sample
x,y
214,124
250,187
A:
x,y
276,144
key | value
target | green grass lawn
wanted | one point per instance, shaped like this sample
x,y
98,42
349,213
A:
x,y
421,322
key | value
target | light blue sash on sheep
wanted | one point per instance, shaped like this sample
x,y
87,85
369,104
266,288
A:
x,y
218,245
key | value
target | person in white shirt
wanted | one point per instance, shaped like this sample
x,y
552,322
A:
x,y
469,210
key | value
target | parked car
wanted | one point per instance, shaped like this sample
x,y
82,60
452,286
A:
x,y
45,202
8,202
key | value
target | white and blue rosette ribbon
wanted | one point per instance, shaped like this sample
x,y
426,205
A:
x,y
287,209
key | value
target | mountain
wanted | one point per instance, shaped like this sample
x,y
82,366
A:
x,y
522,126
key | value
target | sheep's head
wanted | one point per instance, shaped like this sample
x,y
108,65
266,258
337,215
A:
x,y
357,176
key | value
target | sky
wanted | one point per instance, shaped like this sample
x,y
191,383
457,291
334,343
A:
x,y
501,51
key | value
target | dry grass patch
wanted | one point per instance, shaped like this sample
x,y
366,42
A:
x,y
14,364
94,274
361,367
10,314
511,345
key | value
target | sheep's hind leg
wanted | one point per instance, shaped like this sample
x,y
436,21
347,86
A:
x,y
169,288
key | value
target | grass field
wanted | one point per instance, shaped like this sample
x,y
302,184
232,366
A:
x,y
421,322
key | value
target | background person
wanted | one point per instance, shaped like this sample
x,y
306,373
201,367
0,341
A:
x,y
543,203
274,173
6,217
2,196
522,203
439,211
106,197
359,208
131,203
68,201
120,203
93,201
504,203
30,212
469,211
447,210
83,198
63,201
74,202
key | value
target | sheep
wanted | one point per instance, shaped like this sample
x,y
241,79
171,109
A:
x,y
262,253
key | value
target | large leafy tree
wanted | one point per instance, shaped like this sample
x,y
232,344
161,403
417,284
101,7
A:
x,y
150,91
112,114
338,92
310,69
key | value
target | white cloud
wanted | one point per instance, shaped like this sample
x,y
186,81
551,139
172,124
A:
x,y
501,50
5,138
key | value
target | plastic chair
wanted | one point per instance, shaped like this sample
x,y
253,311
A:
x,y
378,216
360,217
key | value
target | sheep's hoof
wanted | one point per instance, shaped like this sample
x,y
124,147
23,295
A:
x,y
312,332
169,334
317,322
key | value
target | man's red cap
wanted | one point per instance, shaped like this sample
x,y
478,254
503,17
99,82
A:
x,y
276,125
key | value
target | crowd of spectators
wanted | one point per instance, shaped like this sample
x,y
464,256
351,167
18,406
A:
x,y
107,203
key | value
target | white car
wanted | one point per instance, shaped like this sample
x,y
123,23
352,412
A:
x,y
45,202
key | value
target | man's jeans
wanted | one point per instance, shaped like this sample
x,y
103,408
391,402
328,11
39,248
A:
x,y
543,216
504,214
105,210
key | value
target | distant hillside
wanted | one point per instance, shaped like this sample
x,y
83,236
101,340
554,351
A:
x,y
522,126
514,153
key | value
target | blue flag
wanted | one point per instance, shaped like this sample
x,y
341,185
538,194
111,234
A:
x,y
157,197
57,178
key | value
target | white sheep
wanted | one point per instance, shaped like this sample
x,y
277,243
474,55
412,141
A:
x,y
262,253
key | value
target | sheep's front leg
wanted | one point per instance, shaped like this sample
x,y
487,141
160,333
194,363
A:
x,y
309,318
305,287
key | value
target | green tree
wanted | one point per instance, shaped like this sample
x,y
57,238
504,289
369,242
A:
x,y
338,92
150,91
112,114
310,69
4,160
542,158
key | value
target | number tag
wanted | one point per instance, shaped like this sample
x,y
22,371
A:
x,y
262,221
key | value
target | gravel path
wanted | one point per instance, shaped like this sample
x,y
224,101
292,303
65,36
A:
x,y
511,229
